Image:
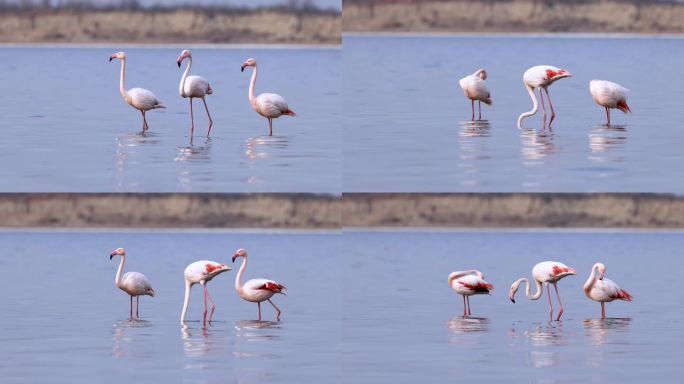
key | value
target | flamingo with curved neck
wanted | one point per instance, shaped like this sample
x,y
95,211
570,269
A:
x,y
541,76
603,290
468,283
256,290
549,272
194,87
268,105
133,283
474,88
201,272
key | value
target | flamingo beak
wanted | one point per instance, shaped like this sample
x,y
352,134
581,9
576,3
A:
x,y
601,277
234,257
179,63
112,255
242,68
111,58
511,297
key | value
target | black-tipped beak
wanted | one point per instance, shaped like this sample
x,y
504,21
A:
x,y
110,59
234,257
242,68
111,256
513,300
178,64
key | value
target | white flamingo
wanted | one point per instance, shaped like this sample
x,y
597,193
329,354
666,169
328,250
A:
x,y
256,290
268,105
541,76
475,88
549,272
468,283
609,95
603,290
201,272
138,98
194,86
133,283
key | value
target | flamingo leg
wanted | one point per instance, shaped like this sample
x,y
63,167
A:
x,y
211,122
548,293
553,113
603,310
465,308
277,310
259,307
472,117
468,301
192,120
608,115
560,311
213,307
130,315
270,126
479,110
541,96
137,306
146,126
204,317
143,116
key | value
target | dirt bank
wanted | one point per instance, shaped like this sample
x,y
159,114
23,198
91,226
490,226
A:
x,y
600,16
169,26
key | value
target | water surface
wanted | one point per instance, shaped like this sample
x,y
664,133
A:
x,y
407,129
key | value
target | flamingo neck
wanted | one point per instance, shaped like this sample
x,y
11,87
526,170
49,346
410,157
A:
x,y
185,75
252,98
117,278
535,106
528,292
238,277
455,275
122,80
589,284
186,301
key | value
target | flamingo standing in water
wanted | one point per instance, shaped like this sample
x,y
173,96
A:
x,y
475,88
201,272
256,290
603,290
133,283
609,95
468,283
549,272
268,105
138,98
194,86
541,76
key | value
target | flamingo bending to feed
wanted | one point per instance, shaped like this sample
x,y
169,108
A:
x,y
603,290
475,88
468,283
268,105
138,98
194,86
609,95
256,290
549,272
201,272
133,283
541,76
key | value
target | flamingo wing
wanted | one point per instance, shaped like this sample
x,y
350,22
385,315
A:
x,y
475,89
196,86
607,290
609,94
143,99
271,105
475,284
135,283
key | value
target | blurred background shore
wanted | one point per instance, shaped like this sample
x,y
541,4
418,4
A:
x,y
171,21
521,16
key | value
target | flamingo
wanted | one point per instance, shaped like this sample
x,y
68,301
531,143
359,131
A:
x,y
256,290
268,105
475,88
201,272
133,283
603,290
138,98
194,86
549,272
609,95
541,76
468,283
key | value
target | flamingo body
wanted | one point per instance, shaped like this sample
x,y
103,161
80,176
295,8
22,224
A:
x,y
475,89
549,272
201,272
468,283
269,105
609,95
135,284
541,77
603,290
256,290
196,86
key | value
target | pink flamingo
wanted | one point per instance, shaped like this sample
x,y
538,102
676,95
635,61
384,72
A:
x,y
609,95
268,105
256,290
541,76
549,272
603,290
133,283
138,98
475,88
468,283
194,86
201,272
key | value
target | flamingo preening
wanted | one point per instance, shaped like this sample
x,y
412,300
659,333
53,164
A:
x,y
138,98
256,290
194,86
609,95
549,272
603,290
475,88
201,272
468,283
133,283
541,76
268,105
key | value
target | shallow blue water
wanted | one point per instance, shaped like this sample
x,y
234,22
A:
x,y
406,121
66,128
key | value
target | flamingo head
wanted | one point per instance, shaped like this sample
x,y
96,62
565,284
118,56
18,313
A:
x,y
481,73
601,269
117,252
118,55
182,56
248,63
514,289
557,75
239,253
